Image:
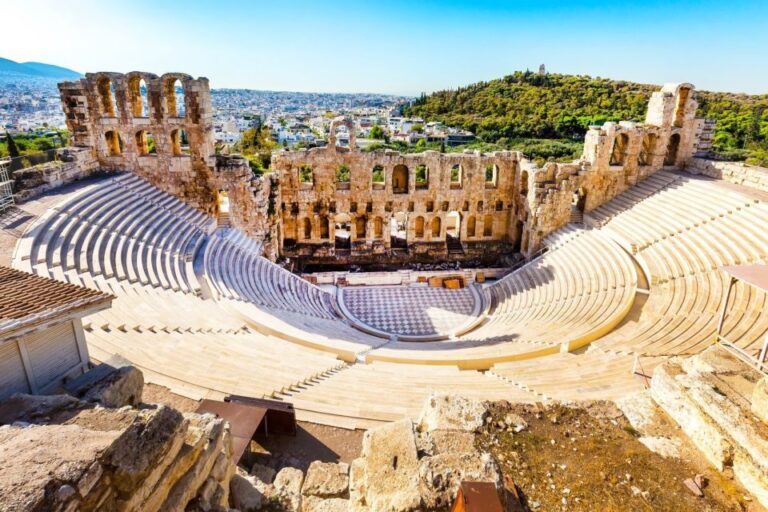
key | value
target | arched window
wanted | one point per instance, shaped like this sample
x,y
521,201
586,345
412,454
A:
x,y
114,143
488,225
400,179
479,206
179,142
378,227
137,90
419,227
342,177
107,95
646,152
620,146
672,147
453,226
377,177
682,98
307,228
422,176
436,227
174,98
465,206
491,176
524,183
289,231
323,227
471,226
306,176
145,143
456,176
360,225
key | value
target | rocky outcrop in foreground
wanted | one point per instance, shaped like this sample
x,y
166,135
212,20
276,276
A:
x,y
405,466
58,453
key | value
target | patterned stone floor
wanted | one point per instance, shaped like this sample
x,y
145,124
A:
x,y
414,311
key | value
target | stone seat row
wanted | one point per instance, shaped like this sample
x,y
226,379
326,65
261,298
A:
x,y
236,271
565,299
249,364
363,395
593,375
121,227
680,207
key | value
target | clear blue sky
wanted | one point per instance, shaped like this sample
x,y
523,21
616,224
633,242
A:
x,y
394,46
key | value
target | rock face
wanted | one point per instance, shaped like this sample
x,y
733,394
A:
x,y
760,400
122,387
62,454
705,394
449,412
402,470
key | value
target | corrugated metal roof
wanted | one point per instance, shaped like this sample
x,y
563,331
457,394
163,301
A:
x,y
27,299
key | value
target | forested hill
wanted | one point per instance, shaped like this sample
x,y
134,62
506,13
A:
x,y
526,104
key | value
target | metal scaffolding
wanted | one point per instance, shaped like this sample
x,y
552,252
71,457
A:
x,y
6,186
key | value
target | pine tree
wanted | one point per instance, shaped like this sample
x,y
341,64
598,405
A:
x,y
13,149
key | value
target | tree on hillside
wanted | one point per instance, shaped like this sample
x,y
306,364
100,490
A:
x,y
377,132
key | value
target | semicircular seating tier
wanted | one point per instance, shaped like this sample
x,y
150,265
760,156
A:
x,y
204,314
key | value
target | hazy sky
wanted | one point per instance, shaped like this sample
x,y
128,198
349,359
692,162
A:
x,y
394,46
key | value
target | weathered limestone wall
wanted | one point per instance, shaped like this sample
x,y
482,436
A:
x,y
471,206
733,172
616,156
142,123
73,164
311,211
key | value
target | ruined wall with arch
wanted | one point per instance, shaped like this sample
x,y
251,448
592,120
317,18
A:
x,y
506,203
161,128
616,156
420,205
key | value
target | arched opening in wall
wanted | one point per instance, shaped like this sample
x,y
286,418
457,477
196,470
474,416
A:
x,y
107,94
137,90
491,176
647,150
518,236
488,225
174,98
682,98
436,227
222,208
453,231
342,240
400,179
422,177
524,183
378,227
145,143
289,231
377,178
114,143
465,206
579,200
456,176
419,227
342,177
471,226
672,147
323,222
361,224
398,230
619,153
179,142
306,228
306,176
